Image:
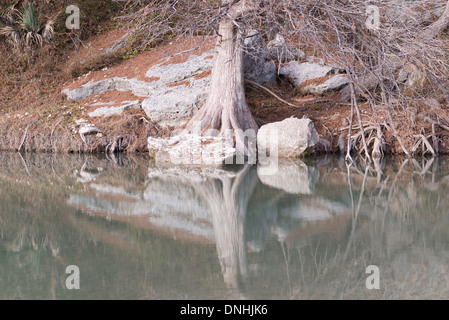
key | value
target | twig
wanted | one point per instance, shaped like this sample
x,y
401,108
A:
x,y
435,139
23,139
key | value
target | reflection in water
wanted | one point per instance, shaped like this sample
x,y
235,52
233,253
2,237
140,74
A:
x,y
139,231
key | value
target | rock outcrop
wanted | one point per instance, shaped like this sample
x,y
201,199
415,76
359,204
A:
x,y
257,64
324,77
173,91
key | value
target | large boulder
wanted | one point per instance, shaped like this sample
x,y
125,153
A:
x,y
334,83
257,63
288,138
298,73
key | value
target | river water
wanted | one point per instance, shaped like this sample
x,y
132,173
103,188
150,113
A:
x,y
121,228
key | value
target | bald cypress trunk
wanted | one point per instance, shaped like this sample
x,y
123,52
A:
x,y
226,106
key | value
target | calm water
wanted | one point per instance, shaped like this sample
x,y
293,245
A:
x,y
136,231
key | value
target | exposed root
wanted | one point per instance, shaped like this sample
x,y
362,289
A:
x,y
435,139
341,143
371,135
426,146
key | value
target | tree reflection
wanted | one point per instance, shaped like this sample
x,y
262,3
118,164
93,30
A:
x,y
227,197
307,232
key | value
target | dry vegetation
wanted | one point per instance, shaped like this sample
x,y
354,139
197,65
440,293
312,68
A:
x,y
380,113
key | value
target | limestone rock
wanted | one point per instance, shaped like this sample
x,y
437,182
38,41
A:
x,y
257,63
288,138
334,83
174,92
279,49
89,89
110,111
410,75
298,73
191,149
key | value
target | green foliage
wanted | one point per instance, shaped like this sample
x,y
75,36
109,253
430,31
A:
x,y
23,28
29,20
130,54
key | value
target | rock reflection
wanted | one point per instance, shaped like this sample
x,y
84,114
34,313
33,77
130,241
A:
x,y
307,232
236,209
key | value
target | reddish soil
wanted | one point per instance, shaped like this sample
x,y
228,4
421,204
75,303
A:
x,y
104,99
138,66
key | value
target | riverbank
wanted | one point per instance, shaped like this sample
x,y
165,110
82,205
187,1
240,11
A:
x,y
36,116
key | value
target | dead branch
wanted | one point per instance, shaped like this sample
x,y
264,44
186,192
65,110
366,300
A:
x,y
272,93
23,138
435,139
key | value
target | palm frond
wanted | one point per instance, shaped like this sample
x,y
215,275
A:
x,y
29,19
7,30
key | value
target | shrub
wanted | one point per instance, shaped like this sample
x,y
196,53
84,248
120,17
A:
x,y
23,27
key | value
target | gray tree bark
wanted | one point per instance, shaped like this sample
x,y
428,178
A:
x,y
226,106
440,25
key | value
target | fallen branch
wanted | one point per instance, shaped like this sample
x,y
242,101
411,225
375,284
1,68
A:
x,y
273,94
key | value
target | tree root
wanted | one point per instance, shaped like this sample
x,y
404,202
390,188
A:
x,y
379,144
426,146
372,135
325,144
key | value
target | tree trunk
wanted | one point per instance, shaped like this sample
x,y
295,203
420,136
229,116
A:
x,y
440,25
226,106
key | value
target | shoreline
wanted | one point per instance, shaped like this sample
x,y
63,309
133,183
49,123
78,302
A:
x,y
62,141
